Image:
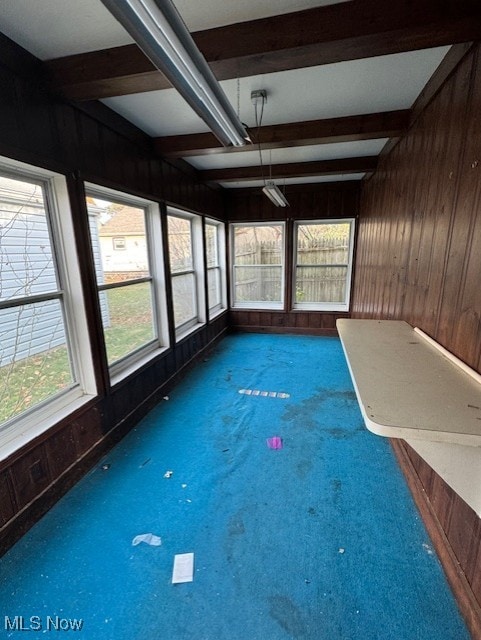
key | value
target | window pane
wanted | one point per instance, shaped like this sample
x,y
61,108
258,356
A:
x,y
180,244
119,240
26,258
258,245
323,243
211,245
214,290
321,284
258,284
127,319
185,305
34,359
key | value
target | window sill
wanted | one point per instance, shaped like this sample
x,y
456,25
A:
x,y
218,312
258,307
184,333
338,308
136,366
20,432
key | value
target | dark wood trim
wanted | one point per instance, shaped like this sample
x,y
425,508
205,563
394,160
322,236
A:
x,y
291,170
43,437
113,120
283,330
321,35
294,134
20,61
167,274
288,266
335,187
80,220
204,267
447,67
463,593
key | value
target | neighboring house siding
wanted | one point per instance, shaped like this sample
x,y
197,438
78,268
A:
x,y
27,268
94,234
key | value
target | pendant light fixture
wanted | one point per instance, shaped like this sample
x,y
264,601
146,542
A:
x,y
274,194
270,188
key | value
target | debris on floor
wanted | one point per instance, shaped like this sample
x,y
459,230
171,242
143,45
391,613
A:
x,y
148,538
274,443
183,570
264,394
168,474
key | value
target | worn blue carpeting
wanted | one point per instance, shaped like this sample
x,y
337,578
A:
x,y
318,540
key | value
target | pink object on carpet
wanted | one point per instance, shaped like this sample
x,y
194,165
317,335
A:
x,y
274,442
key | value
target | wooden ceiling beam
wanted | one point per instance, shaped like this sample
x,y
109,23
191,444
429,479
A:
x,y
291,170
370,126
321,35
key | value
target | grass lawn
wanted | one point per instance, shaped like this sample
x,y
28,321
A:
x,y
32,380
130,317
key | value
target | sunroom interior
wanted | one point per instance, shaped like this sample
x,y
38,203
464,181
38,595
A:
x,y
287,390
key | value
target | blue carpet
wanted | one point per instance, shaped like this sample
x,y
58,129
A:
x,y
317,540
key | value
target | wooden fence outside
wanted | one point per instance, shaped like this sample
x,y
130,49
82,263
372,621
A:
x,y
320,272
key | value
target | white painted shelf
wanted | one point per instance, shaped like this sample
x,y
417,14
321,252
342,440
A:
x,y
407,387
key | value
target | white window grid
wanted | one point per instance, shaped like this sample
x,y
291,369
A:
x,y
198,318
324,306
218,267
257,304
156,280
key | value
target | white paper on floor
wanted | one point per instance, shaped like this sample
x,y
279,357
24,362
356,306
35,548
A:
x,y
264,394
183,568
148,538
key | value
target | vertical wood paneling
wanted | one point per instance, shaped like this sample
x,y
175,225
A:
x,y
7,504
62,450
30,475
419,258
9,123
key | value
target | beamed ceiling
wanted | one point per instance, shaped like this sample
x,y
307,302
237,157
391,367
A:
x,y
343,79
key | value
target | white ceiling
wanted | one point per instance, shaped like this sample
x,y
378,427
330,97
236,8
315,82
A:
x,y
56,28
314,179
349,88
309,153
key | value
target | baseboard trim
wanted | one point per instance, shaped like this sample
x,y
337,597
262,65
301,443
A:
x,y
468,605
292,330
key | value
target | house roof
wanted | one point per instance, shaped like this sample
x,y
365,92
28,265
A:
x,y
127,221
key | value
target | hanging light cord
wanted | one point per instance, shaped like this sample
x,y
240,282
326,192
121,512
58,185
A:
x,y
258,127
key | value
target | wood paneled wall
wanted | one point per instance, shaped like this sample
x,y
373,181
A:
x,y
89,143
306,202
419,257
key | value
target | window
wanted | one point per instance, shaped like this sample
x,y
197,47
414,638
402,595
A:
x,y
45,363
215,257
258,265
186,268
124,232
119,244
323,264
